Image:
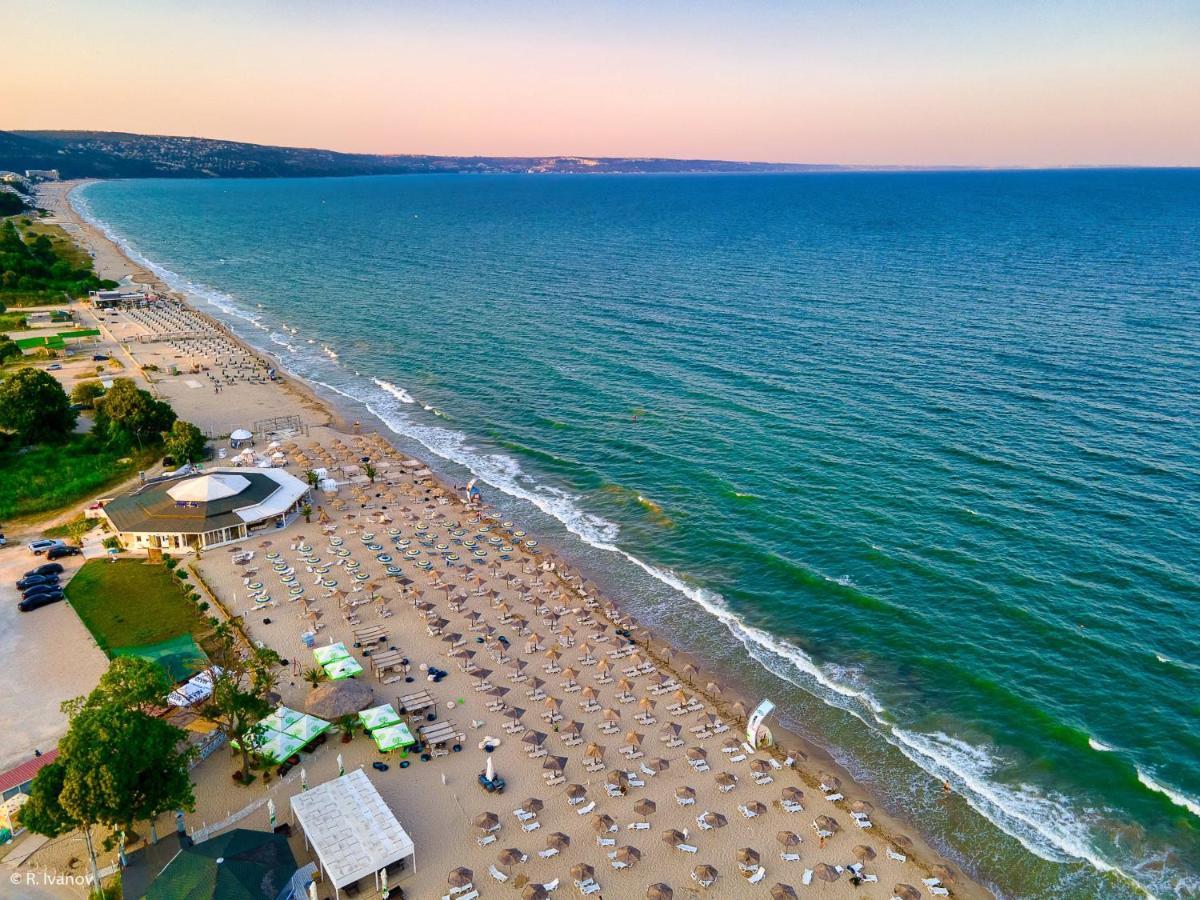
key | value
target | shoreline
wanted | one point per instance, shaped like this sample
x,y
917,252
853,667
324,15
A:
x,y
340,412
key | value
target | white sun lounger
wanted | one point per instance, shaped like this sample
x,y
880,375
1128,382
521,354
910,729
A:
x,y
686,848
531,826
497,874
940,891
487,839
898,857
584,810
807,879
790,857
758,876
547,853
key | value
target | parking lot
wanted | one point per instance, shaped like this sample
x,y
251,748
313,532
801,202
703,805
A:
x,y
47,657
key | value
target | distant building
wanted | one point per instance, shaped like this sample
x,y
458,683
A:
x,y
113,299
197,512
42,174
13,178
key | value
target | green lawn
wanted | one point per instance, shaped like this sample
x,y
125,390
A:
x,y
129,603
44,479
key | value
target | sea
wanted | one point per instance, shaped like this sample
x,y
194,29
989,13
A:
x,y
915,455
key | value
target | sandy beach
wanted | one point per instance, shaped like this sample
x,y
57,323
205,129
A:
x,y
623,743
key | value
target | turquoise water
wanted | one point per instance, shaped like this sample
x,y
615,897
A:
x,y
914,454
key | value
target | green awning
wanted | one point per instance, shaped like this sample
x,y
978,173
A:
x,y
342,668
379,717
393,737
329,653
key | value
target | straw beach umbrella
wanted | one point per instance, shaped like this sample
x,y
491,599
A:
x,y
557,841
645,807
535,892
906,892
510,857
685,793
792,794
673,837
582,872
748,858
628,855
943,872
863,852
825,823
787,839
826,872
602,823
486,821
576,791
460,877
714,820
704,874
659,891
757,808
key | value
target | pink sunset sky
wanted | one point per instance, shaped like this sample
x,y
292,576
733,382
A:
x,y
904,83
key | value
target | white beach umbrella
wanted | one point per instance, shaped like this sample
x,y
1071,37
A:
x,y
341,766
303,779
271,812
490,773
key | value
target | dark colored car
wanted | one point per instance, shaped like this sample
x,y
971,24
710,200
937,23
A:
x,y
60,552
99,357
31,603
48,588
46,569
31,581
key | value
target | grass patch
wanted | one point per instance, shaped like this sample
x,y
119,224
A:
x,y
45,479
128,603
12,321
67,529
63,245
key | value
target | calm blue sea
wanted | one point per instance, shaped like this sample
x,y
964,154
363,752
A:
x,y
915,455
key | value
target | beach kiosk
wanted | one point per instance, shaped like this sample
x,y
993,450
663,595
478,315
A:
x,y
352,831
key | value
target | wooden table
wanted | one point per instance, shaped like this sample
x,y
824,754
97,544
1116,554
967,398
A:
x,y
372,634
416,702
440,733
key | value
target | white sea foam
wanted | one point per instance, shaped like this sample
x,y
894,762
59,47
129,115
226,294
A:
x,y
398,392
1098,746
1191,804
1043,825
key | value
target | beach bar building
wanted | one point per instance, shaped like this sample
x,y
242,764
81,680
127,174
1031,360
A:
x,y
353,832
197,512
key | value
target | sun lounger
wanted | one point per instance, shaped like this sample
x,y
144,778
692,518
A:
x,y
898,857
575,801
584,810
546,854
862,823
486,839
870,879
638,826
758,876
747,812
807,879
531,826
686,848
523,815
497,874
931,882
588,887
790,857
741,757
606,842
790,807
940,891
685,801
833,798
763,780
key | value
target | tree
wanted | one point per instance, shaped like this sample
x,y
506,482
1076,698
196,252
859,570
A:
x,y
35,406
313,675
312,478
118,764
86,393
346,725
126,414
8,348
185,442
239,701
77,528
370,471
306,511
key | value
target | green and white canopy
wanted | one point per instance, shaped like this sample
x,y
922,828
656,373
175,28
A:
x,y
330,653
342,668
379,717
277,747
282,719
307,727
393,737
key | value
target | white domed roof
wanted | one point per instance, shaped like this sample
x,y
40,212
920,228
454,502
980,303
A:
x,y
208,487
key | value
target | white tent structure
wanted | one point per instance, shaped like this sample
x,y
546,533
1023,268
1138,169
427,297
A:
x,y
351,830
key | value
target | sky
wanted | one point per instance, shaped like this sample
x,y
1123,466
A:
x,y
1015,83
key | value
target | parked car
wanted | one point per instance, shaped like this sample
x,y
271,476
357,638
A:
x,y
60,552
3,541
31,603
41,546
45,569
99,357
33,580
53,368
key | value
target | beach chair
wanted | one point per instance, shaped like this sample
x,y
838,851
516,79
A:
x,y
940,891
807,879
790,857
531,826
638,826
790,807
523,815
898,857
546,854
834,798
606,842
685,801
584,810
497,874
746,812
686,848
758,876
